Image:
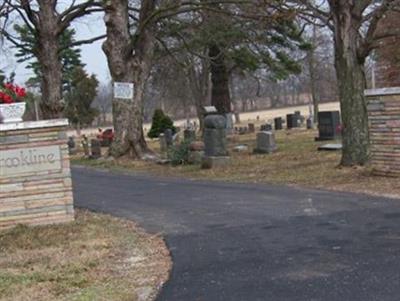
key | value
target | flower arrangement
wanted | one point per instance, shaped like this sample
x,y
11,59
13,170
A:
x,y
10,94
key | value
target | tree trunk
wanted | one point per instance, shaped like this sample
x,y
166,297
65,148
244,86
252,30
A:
x,y
199,82
351,84
220,96
49,61
127,67
313,84
313,76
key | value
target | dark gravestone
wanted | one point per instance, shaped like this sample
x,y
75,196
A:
x,y
266,127
328,125
278,122
168,137
242,130
292,121
71,145
95,148
252,127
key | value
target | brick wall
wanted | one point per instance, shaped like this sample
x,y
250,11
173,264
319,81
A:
x,y
384,126
35,177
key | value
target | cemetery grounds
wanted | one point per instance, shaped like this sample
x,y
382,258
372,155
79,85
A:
x,y
297,162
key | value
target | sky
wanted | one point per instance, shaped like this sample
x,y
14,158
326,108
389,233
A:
x,y
92,54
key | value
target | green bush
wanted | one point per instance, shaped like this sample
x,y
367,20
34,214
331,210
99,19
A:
x,y
179,154
160,123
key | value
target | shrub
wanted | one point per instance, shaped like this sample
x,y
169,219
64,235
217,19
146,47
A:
x,y
160,123
179,154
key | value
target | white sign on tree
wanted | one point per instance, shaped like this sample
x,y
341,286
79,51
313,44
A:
x,y
123,90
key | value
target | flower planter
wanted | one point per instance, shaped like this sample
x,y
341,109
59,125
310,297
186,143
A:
x,y
12,112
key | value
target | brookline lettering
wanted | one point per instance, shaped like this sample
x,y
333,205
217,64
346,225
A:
x,y
27,158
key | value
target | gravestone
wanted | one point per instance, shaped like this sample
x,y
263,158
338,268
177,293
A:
x,y
168,137
71,145
278,122
310,123
163,143
189,135
292,121
215,146
229,123
251,127
265,143
95,148
328,125
242,130
196,152
85,145
266,127
300,118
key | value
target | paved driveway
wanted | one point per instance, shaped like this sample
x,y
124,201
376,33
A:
x,y
258,242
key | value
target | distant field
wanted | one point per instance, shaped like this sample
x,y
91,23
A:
x,y
265,115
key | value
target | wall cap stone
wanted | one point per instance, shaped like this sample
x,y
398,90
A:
x,y
382,92
33,124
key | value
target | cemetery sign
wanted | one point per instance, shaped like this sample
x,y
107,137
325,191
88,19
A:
x,y
28,160
123,90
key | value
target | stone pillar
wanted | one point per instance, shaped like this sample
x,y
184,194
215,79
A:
x,y
35,177
215,149
384,128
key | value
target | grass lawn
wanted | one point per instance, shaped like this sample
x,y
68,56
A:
x,y
97,257
297,162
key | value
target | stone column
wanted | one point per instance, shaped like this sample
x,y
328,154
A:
x,y
215,146
384,128
35,177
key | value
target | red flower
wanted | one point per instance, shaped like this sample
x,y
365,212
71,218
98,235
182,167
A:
x,y
7,99
10,93
20,91
9,86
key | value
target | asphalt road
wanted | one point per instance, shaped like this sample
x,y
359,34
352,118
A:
x,y
258,242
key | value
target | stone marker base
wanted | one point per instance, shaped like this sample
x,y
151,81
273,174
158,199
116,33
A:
x,y
35,177
264,151
331,147
211,162
195,157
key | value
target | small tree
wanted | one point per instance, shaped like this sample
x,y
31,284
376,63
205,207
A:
x,y
160,123
79,100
